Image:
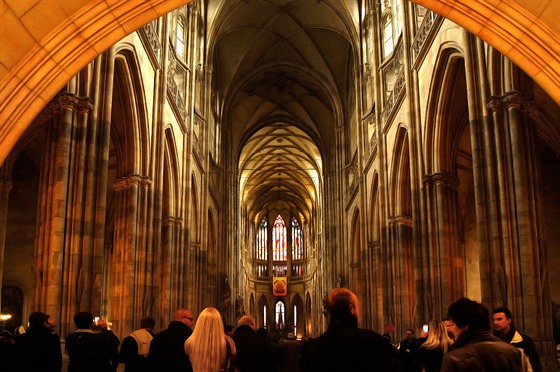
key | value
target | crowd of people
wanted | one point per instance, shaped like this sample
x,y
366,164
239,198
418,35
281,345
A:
x,y
462,342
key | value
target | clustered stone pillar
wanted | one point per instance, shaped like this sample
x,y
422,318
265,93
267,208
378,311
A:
x,y
400,282
72,196
131,298
5,187
441,275
63,263
521,254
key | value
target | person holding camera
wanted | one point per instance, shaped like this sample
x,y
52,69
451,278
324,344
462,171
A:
x,y
92,347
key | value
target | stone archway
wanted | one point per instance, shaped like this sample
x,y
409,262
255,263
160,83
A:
x,y
53,50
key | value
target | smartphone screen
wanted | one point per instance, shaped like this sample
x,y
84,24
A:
x,y
95,320
425,328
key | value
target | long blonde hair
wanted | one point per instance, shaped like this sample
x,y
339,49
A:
x,y
206,347
437,337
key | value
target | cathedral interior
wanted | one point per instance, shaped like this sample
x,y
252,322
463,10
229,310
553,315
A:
x,y
251,155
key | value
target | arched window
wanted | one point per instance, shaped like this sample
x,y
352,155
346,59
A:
x,y
180,37
295,319
262,240
387,34
261,248
297,240
279,250
279,314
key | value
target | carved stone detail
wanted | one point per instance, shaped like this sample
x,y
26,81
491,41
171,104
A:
x,y
131,180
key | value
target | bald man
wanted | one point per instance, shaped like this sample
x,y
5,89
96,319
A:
x,y
167,351
253,352
344,346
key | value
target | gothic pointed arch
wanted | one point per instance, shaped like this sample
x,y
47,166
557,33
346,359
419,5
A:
x,y
376,311
194,214
169,276
451,241
264,313
308,314
401,237
20,180
212,250
130,115
297,318
171,175
355,255
129,183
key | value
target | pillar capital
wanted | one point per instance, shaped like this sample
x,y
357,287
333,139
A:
x,y
442,178
131,180
67,100
171,221
5,185
513,99
405,220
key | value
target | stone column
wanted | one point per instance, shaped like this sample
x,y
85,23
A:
x,y
59,282
484,168
523,278
400,283
443,279
5,187
128,296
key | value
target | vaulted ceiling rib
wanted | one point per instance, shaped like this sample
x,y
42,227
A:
x,y
284,63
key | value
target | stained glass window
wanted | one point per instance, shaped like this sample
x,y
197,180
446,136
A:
x,y
280,312
297,269
295,320
262,270
280,270
279,250
297,240
262,239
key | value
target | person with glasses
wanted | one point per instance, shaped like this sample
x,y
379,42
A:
x,y
167,347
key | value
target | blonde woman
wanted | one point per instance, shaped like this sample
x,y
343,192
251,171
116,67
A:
x,y
206,348
431,352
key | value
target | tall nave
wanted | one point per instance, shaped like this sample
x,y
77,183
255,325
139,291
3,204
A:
x,y
251,155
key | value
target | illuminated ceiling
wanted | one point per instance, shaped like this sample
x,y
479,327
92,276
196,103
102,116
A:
x,y
283,74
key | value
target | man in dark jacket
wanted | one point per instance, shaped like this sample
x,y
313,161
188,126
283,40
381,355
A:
x,y
502,323
407,354
344,346
38,349
92,347
136,347
167,349
475,348
253,350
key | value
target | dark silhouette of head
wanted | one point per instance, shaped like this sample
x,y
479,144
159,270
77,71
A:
x,y
343,306
262,332
37,320
228,329
83,320
148,323
466,313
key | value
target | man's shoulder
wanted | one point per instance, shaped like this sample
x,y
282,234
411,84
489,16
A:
x,y
486,346
364,334
522,338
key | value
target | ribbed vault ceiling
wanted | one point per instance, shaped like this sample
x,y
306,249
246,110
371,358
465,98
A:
x,y
282,77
